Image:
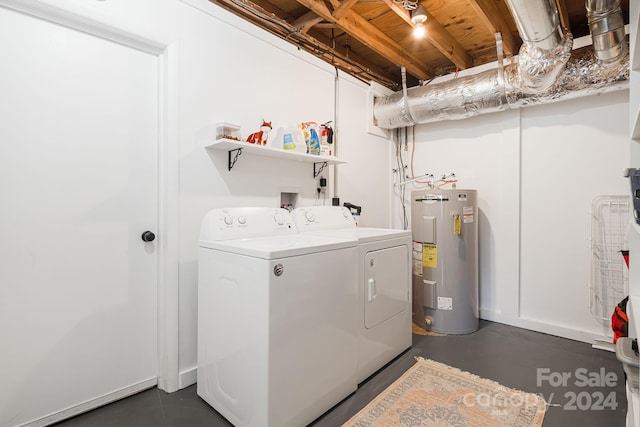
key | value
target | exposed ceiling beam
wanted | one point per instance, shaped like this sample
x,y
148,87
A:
x,y
270,22
438,36
306,21
564,15
344,7
328,25
345,52
489,14
366,33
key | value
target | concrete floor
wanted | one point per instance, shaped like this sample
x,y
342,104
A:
x,y
512,356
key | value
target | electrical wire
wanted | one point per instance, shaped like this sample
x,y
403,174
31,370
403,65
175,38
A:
x,y
408,4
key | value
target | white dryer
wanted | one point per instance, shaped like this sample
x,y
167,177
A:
x,y
384,282
276,325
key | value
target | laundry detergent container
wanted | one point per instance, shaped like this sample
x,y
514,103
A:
x,y
444,225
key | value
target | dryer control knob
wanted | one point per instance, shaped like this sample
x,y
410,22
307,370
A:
x,y
346,213
242,220
228,220
279,218
309,216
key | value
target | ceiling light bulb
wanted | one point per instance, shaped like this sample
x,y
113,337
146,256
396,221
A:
x,y
419,31
419,15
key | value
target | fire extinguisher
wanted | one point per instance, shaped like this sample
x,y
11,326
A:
x,y
326,138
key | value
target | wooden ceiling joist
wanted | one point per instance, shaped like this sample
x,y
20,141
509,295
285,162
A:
x,y
371,39
436,35
351,64
366,33
564,15
306,21
491,17
344,7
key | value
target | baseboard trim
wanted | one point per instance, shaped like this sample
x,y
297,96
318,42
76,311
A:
x,y
545,328
188,377
92,404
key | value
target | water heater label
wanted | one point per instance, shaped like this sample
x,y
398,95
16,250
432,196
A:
x,y
417,268
467,214
417,250
445,303
429,255
417,258
456,224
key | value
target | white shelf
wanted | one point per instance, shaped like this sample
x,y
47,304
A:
x,y
230,145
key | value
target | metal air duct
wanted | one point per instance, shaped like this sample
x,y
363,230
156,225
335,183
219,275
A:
x,y
607,30
545,73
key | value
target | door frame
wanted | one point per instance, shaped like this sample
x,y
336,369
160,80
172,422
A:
x,y
168,170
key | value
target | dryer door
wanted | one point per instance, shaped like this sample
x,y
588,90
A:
x,y
386,284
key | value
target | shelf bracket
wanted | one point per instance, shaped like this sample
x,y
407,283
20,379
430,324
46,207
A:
x,y
317,171
235,155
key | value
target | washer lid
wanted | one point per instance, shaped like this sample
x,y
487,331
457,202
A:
x,y
281,246
365,234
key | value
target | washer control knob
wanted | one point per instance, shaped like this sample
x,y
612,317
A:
x,y
279,218
345,213
228,220
309,216
242,220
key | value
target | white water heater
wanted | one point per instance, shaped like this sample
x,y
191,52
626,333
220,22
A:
x,y
444,225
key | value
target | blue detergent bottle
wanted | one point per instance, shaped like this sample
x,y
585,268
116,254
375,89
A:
x,y
314,141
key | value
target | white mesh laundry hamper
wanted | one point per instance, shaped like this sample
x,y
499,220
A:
x,y
609,282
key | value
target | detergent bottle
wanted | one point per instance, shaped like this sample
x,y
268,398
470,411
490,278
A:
x,y
314,144
298,137
293,139
275,138
287,139
312,137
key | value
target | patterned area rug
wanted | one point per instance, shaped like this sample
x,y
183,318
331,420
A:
x,y
434,394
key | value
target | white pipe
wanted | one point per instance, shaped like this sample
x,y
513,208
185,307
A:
x,y
400,184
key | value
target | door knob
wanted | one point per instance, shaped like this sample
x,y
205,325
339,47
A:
x,y
148,236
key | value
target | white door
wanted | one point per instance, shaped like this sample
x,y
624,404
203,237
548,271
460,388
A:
x,y
78,187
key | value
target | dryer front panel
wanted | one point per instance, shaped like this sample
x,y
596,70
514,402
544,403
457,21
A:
x,y
386,284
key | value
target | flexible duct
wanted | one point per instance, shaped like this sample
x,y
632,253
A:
x,y
545,47
545,73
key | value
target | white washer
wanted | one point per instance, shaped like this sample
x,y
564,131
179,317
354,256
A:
x,y
384,282
276,325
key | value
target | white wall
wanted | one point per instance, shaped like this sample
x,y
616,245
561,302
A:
x,y
536,170
231,71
